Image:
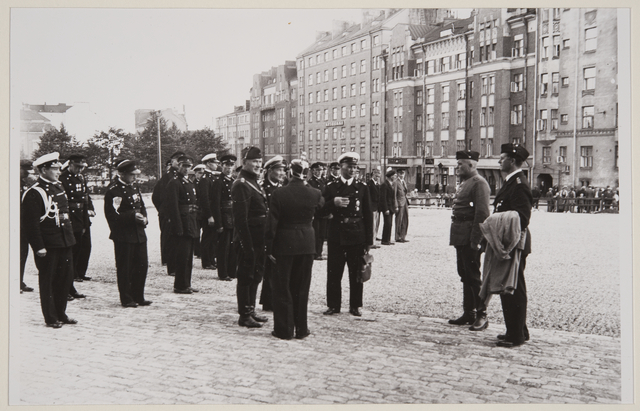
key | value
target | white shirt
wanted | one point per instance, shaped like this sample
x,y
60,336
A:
x,y
512,174
347,182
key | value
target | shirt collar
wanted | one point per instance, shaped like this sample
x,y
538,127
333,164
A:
x,y
347,182
49,181
122,181
512,174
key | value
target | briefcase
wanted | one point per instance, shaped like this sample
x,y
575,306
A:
x,y
365,271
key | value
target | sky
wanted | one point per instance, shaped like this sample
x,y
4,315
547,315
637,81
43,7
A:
x,y
121,60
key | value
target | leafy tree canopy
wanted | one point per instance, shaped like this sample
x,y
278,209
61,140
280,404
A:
x,y
57,140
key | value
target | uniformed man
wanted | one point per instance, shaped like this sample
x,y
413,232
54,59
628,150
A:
x,y
350,233
274,176
127,217
206,199
290,246
249,221
470,209
47,225
334,172
402,210
515,194
181,206
320,220
27,179
388,205
167,250
223,219
81,208
198,172
374,192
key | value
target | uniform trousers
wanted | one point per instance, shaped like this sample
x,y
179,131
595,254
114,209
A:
x,y
266,294
468,261
197,248
81,252
250,269
24,253
183,261
208,245
290,284
338,255
376,223
132,264
402,222
514,308
386,227
319,228
167,247
55,275
224,247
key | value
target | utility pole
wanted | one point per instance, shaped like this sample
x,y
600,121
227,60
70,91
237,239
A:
x,y
158,112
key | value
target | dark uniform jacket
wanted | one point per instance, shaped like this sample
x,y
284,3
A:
x,y
319,184
291,211
269,187
374,193
80,203
222,205
351,225
515,194
181,207
387,198
249,206
121,202
160,190
470,208
55,230
206,193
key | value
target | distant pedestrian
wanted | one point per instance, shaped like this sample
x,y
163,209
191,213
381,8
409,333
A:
x,y
47,225
470,209
127,217
350,234
249,221
374,192
291,248
402,213
387,205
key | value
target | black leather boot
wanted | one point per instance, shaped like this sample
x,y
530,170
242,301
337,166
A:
x,y
257,317
246,320
481,322
467,318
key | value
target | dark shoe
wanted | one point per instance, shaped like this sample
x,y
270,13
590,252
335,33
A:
x,y
208,267
194,290
505,337
302,335
69,321
277,336
467,318
78,295
319,258
509,344
78,279
355,311
378,239
70,297
480,324
373,247
224,279
26,288
331,311
130,305
85,278
145,302
57,324
247,321
185,291
172,274
386,243
258,318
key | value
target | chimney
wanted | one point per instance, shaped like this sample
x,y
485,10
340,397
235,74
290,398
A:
x,y
321,34
338,27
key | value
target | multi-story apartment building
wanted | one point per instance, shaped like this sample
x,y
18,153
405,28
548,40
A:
x,y
235,129
274,97
340,86
577,105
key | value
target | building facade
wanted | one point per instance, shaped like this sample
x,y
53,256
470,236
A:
x,y
235,129
274,97
171,116
340,86
577,89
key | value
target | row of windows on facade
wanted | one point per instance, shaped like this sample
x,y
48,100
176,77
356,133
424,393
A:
x,y
325,115
352,70
588,82
323,153
352,91
586,156
232,121
588,114
336,53
279,96
335,131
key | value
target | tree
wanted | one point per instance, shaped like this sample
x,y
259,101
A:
x,y
57,140
199,143
144,146
103,148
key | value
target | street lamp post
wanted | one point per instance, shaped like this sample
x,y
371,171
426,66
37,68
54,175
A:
x,y
384,56
158,112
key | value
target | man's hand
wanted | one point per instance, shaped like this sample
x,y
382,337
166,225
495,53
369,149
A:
x,y
272,258
92,213
221,229
41,252
210,221
341,202
140,218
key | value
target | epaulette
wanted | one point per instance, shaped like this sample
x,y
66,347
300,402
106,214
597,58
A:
x,y
363,183
331,182
242,180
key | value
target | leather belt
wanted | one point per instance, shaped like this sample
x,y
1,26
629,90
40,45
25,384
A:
x,y
188,208
78,206
292,226
350,220
461,218
259,220
226,204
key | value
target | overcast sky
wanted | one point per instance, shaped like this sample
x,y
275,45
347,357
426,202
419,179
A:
x,y
120,60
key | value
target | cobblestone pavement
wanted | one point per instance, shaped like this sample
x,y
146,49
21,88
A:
x,y
188,349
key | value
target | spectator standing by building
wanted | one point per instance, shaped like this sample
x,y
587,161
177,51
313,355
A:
x,y
402,213
374,191
387,205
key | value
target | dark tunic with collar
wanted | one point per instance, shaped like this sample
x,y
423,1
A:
x,y
353,224
75,186
249,206
121,202
515,195
470,209
181,207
